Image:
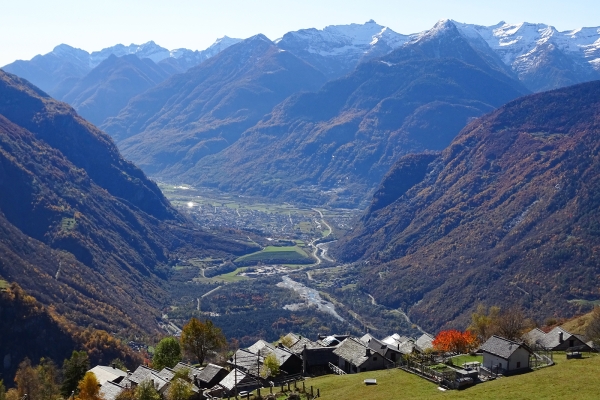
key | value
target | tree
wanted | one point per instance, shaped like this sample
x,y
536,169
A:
x,y
483,324
198,338
27,380
592,331
74,370
166,354
179,390
511,323
89,388
286,341
146,391
270,366
48,378
2,390
455,341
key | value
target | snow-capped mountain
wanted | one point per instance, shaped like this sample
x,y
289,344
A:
x,y
56,71
541,56
337,49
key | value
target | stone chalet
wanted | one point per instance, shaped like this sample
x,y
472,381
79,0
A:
x,y
355,356
504,356
557,339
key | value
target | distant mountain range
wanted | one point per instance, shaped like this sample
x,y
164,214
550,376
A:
x,y
507,213
214,116
82,229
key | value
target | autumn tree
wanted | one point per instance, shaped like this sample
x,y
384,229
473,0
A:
x,y
27,380
48,378
454,341
270,367
483,322
592,331
146,391
179,390
89,388
511,323
286,341
166,354
2,390
198,338
74,370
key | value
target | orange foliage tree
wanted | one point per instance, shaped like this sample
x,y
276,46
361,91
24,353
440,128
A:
x,y
455,341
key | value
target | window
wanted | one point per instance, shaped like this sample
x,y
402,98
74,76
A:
x,y
518,364
374,358
571,343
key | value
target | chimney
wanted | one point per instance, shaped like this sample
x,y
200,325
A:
x,y
113,365
560,337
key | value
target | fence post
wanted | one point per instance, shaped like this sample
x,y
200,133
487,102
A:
x,y
295,385
271,389
303,387
311,392
258,393
318,392
248,396
282,391
288,386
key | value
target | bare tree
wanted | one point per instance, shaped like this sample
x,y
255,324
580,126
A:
x,y
511,323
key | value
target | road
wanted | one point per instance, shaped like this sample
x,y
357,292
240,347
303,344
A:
x,y
321,246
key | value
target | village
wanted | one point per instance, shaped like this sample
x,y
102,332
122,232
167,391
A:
x,y
283,370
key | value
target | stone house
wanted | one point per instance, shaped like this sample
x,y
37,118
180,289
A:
x,y
355,356
502,356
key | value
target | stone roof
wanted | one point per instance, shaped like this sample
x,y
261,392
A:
x,y
107,374
551,339
425,341
366,338
352,350
377,346
191,370
259,346
501,347
233,379
167,374
298,347
209,372
110,390
143,373
247,361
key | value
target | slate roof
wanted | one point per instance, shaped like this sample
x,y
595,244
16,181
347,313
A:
x,y
551,339
425,341
233,379
352,350
259,346
377,346
167,374
209,372
395,339
247,361
105,374
110,390
501,347
366,338
298,347
143,373
191,370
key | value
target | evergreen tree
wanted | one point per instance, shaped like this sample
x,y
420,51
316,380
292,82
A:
x,y
74,370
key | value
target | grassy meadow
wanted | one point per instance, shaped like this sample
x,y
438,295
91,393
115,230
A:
x,y
568,379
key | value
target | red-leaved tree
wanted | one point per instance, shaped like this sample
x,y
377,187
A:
x,y
455,341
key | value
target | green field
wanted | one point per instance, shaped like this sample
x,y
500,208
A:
x,y
459,360
270,254
568,379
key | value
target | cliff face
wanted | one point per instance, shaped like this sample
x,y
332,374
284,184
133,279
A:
x,y
507,213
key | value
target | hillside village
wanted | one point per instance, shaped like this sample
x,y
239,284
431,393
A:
x,y
249,371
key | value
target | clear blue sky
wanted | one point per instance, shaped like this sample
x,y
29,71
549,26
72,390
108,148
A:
x,y
30,27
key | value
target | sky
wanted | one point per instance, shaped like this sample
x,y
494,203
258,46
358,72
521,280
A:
x,y
31,27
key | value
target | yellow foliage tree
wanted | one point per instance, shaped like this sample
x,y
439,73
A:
x,y
89,388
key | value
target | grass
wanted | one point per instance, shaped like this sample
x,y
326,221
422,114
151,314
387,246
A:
x,y
289,254
568,379
460,360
